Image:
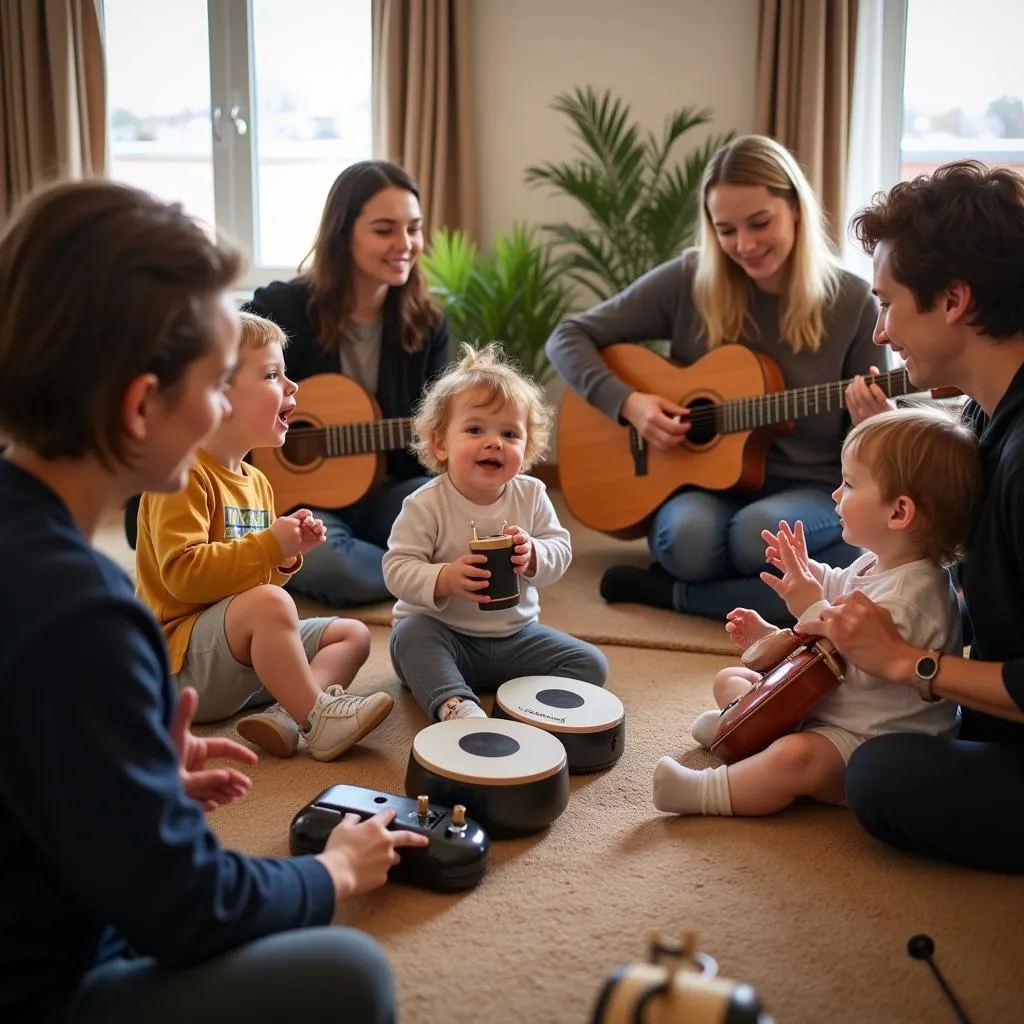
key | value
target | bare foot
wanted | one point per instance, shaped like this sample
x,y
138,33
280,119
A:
x,y
745,626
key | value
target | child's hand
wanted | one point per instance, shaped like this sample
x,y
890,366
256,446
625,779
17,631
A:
x,y
745,626
797,587
524,557
298,532
462,578
797,541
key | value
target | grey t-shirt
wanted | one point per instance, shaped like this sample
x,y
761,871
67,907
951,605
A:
x,y
660,306
360,354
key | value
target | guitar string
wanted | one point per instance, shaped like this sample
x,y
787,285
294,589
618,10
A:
x,y
736,412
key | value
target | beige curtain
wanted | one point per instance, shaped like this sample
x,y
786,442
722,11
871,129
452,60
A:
x,y
804,88
423,103
52,94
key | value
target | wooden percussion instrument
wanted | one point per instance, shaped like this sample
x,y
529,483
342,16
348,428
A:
x,y
512,778
798,673
503,587
589,721
679,985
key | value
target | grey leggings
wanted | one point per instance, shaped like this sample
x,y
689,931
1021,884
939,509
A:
x,y
315,974
436,662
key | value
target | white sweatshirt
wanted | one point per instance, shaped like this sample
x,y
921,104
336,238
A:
x,y
433,528
920,598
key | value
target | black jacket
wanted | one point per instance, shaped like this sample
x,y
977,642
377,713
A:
x,y
992,575
402,374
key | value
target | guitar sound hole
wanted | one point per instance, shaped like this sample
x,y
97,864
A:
x,y
304,444
702,421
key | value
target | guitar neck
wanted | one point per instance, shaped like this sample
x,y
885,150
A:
x,y
358,438
741,414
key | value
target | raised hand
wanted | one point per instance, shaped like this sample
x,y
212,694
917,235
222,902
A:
x,y
211,787
463,578
745,627
798,586
523,557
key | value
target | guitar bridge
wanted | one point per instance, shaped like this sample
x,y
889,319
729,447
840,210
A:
x,y
638,449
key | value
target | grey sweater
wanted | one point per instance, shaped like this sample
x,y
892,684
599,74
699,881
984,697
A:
x,y
659,306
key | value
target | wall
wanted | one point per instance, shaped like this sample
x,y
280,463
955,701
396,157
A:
x,y
656,55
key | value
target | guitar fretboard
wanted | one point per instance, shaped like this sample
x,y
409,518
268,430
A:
x,y
741,414
355,438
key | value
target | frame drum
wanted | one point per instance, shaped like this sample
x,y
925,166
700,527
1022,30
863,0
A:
x,y
589,720
512,778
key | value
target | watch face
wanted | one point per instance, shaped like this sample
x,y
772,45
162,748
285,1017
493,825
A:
x,y
927,667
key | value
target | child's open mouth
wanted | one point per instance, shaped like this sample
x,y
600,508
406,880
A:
x,y
489,464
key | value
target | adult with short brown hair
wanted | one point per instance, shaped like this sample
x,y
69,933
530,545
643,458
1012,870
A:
x,y
948,254
116,340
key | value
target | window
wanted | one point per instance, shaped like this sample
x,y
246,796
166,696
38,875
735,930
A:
x,y
243,110
963,92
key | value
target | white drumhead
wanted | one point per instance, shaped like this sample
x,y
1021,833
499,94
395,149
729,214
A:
x,y
488,751
558,704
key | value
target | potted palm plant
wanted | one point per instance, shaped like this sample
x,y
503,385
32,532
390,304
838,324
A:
x,y
515,294
640,208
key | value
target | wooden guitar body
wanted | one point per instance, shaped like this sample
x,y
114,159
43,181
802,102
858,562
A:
x,y
798,673
613,481
333,415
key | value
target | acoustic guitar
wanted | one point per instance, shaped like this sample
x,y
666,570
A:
x,y
613,481
334,452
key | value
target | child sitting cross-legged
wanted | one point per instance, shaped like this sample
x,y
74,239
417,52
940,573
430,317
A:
x,y
212,560
479,426
910,490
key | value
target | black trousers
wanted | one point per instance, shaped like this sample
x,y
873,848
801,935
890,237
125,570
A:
x,y
960,800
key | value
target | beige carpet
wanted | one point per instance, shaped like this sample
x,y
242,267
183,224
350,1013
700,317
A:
x,y
803,906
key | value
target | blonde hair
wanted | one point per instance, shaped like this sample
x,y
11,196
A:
x,y
929,454
258,332
721,289
486,370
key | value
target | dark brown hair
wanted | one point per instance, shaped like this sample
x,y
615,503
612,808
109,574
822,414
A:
x,y
964,222
99,283
409,310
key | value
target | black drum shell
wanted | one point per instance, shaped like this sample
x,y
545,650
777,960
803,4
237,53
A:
x,y
585,751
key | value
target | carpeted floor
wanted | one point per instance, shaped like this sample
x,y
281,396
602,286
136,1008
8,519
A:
x,y
803,906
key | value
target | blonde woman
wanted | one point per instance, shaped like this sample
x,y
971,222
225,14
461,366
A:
x,y
763,275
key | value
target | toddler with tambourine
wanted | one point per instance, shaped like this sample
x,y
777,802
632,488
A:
x,y
463,623
909,495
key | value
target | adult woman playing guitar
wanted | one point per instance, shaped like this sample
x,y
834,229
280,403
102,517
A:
x,y
764,276
361,309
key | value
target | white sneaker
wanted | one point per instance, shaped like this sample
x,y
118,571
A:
x,y
339,721
273,730
705,726
453,707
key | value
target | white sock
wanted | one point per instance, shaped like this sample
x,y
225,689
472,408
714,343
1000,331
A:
x,y
682,790
704,727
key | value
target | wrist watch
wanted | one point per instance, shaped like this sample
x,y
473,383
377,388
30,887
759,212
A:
x,y
926,668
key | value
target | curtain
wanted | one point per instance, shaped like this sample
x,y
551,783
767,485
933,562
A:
x,y
52,95
804,89
423,110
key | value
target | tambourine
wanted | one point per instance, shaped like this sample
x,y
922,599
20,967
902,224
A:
x,y
797,674
678,985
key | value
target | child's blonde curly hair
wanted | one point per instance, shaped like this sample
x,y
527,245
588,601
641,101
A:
x,y
500,382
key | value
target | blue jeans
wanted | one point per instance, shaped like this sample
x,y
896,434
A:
x,y
710,541
346,569
316,974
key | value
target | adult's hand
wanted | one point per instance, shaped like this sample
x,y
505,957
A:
x,y
864,400
864,634
659,421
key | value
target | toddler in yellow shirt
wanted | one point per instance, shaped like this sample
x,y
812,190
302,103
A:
x,y
211,560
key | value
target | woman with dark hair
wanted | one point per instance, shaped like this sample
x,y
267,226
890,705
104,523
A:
x,y
360,307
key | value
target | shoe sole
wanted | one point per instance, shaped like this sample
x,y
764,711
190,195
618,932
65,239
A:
x,y
365,730
268,737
